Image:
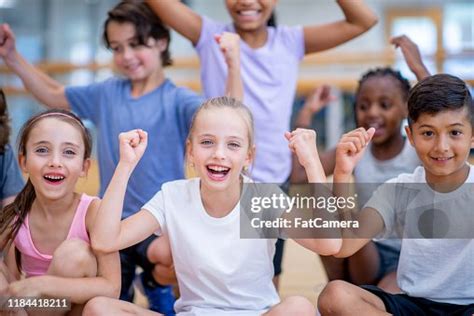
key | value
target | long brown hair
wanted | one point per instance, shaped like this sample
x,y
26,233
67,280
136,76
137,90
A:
x,y
13,215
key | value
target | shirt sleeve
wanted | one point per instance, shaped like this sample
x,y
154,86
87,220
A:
x,y
383,201
84,100
293,38
156,207
12,180
208,30
188,102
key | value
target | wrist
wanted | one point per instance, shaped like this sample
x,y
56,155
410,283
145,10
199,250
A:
x,y
341,176
125,167
11,60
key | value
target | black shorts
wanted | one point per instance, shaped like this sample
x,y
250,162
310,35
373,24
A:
x,y
130,258
404,305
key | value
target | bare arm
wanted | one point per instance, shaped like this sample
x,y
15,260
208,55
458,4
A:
x,y
179,17
298,173
109,233
229,44
45,89
358,19
412,56
349,151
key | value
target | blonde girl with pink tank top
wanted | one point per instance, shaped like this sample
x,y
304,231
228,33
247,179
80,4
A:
x,y
44,241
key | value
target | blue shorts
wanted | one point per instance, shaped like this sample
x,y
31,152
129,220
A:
x,y
388,257
402,304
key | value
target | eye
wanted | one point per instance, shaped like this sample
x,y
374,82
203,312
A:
x,y
385,105
234,145
115,49
41,150
206,142
69,152
456,133
427,133
362,107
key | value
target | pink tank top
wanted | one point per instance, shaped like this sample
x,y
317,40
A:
x,y
35,263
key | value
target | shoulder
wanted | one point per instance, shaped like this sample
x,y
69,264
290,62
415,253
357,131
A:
x,y
288,34
209,26
92,204
180,187
417,176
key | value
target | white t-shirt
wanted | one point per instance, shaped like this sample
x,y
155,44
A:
x,y
218,272
437,269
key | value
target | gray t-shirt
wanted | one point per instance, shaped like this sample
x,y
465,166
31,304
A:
x,y
441,270
371,170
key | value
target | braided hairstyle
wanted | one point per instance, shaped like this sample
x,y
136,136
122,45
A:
x,y
383,72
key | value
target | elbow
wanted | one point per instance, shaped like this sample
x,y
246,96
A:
x,y
343,254
102,248
370,22
331,247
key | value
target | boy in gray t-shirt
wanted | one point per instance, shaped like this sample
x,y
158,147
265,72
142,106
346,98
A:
x,y
428,208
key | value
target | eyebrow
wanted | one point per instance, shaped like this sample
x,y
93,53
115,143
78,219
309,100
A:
x,y
450,125
213,136
43,142
126,40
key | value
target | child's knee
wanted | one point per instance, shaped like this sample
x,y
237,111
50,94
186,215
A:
x,y
95,307
298,305
74,258
332,296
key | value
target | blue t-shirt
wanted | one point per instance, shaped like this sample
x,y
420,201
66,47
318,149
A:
x,y
165,113
11,181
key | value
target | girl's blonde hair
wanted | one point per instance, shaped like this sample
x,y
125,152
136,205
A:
x,y
231,103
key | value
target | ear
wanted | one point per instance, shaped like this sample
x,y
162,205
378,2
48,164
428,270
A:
x,y
409,135
22,163
189,152
250,156
85,167
162,44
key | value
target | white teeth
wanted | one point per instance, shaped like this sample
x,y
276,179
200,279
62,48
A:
x,y
218,168
442,158
249,12
54,177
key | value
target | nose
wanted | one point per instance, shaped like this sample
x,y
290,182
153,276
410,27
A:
x,y
127,53
373,110
55,161
219,153
442,143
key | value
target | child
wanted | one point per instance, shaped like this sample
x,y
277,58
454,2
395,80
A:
x,y
143,99
218,272
380,102
11,181
49,224
435,275
270,59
